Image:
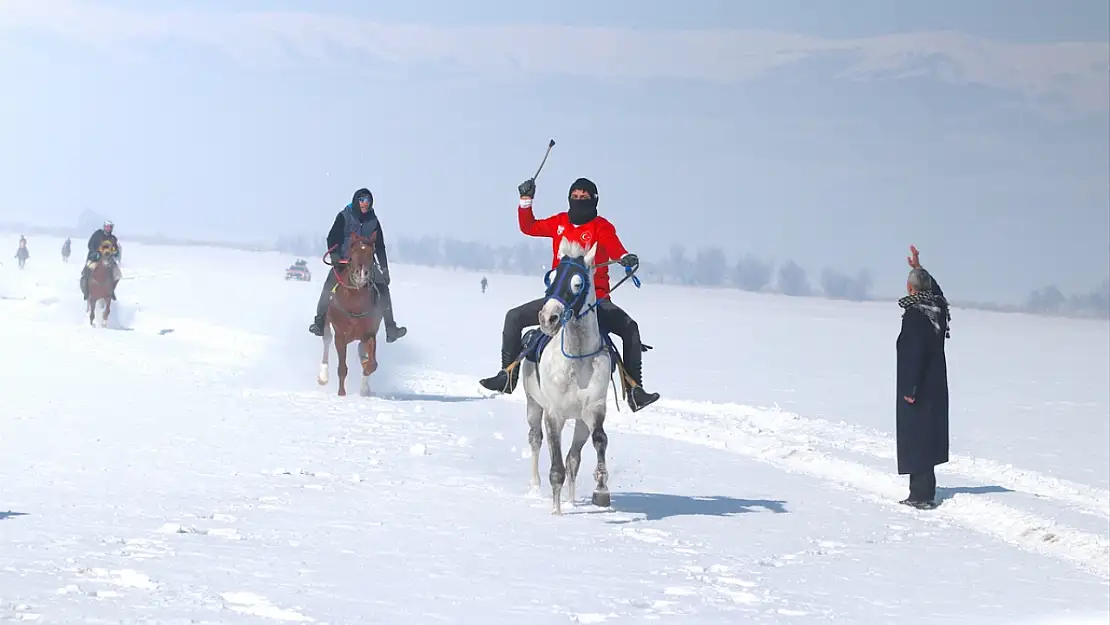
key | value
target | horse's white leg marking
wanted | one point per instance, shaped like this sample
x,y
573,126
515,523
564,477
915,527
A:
x,y
322,375
99,314
363,358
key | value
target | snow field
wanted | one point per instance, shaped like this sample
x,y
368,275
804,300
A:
x,y
216,483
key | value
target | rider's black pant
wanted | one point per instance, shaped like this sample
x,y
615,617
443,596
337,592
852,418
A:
x,y
385,299
612,318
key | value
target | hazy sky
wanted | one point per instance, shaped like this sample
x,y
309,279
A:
x,y
834,133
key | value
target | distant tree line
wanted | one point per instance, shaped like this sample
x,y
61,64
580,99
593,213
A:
x,y
707,267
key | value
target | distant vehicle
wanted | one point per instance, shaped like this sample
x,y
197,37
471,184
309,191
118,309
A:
x,y
299,271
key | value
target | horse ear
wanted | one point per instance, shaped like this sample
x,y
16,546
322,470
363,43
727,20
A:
x,y
591,254
564,247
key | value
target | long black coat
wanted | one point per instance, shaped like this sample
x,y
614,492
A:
x,y
922,427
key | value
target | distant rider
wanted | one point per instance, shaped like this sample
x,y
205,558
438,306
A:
x,y
358,217
98,237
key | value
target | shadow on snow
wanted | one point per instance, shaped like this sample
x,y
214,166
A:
x,y
9,513
951,491
445,399
656,506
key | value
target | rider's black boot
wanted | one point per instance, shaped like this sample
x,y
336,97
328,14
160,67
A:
x,y
322,302
504,381
637,397
392,330
317,326
85,284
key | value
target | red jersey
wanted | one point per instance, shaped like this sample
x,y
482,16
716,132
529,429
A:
x,y
558,227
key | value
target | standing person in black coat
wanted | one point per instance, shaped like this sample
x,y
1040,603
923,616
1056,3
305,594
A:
x,y
922,380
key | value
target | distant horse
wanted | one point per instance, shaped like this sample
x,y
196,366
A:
x,y
104,275
66,249
566,375
354,315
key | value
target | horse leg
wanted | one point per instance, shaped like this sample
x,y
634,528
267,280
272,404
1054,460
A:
x,y
368,365
601,496
322,375
558,471
574,456
535,436
341,354
107,311
372,354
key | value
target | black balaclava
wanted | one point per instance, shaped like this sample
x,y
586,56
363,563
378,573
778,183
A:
x,y
354,204
582,211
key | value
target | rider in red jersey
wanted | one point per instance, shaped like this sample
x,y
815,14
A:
x,y
582,225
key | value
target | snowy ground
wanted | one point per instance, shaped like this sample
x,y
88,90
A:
x,y
188,469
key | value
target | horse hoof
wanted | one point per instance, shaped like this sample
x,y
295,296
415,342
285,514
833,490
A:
x,y
342,393
601,499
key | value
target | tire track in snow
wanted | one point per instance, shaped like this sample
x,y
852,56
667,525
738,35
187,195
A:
x,y
804,446
791,429
799,430
1089,552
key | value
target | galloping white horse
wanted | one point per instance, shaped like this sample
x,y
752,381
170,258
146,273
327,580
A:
x,y
571,380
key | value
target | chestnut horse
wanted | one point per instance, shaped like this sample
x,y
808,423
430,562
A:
x,y
103,277
354,315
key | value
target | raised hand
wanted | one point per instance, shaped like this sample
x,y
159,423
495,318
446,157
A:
x,y
913,258
527,189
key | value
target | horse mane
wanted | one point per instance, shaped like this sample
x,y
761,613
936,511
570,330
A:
x,y
573,249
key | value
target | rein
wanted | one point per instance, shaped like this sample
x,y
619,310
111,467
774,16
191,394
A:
x,y
568,308
339,282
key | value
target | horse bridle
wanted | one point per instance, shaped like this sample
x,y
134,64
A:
x,y
572,309
570,267
372,264
373,287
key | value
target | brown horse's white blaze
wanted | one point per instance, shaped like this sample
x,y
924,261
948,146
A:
x,y
353,315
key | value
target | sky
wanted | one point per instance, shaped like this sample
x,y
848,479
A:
x,y
834,134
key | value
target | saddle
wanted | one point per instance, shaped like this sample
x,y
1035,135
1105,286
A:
x,y
535,341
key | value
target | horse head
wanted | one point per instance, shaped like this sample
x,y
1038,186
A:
x,y
361,265
107,253
570,287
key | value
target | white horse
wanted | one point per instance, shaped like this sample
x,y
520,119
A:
x,y
572,378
